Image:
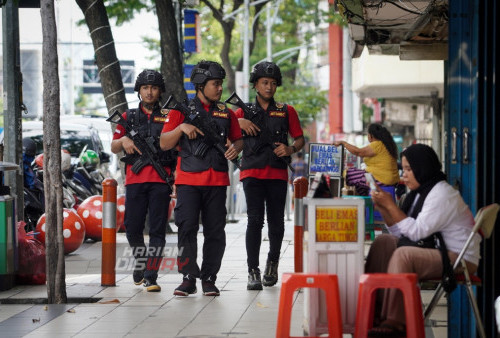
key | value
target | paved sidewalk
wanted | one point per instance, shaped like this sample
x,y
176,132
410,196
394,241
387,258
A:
x,y
128,310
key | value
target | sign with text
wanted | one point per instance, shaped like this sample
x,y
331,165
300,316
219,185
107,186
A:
x,y
325,158
336,224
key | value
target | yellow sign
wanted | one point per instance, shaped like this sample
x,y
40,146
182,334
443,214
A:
x,y
336,224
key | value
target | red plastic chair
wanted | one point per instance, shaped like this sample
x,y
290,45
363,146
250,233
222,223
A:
x,y
407,283
294,281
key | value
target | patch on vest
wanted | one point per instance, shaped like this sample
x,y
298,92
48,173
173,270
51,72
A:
x,y
221,114
277,114
165,111
221,106
279,105
160,119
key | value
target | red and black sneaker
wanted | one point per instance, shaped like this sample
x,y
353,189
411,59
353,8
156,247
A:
x,y
209,288
187,287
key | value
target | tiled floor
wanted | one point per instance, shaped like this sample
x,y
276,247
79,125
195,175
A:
x,y
127,310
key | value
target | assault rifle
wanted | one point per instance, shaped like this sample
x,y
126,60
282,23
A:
x,y
266,137
208,127
146,145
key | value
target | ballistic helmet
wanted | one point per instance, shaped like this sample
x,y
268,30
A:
x,y
266,69
207,70
29,147
149,77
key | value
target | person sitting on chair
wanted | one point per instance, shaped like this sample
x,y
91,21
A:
x,y
432,206
380,157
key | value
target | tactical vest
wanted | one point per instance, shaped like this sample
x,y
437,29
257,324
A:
x,y
153,127
218,113
276,120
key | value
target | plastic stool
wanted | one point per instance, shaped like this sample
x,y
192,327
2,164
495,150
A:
x,y
293,281
407,283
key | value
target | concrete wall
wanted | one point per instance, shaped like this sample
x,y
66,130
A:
x,y
386,76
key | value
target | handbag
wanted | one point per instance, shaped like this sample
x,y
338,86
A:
x,y
426,243
435,241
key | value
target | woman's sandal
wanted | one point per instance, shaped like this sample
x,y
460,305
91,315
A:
x,y
386,330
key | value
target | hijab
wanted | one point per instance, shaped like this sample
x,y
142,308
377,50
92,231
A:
x,y
426,168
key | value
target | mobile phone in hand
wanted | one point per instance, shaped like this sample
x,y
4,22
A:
x,y
371,181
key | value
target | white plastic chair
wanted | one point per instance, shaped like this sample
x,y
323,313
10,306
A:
x,y
484,221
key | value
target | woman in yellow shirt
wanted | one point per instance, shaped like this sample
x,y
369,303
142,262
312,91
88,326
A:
x,y
380,157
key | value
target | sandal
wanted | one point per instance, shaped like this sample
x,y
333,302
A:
x,y
386,330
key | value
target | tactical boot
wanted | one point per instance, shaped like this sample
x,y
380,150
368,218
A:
x,y
270,273
254,282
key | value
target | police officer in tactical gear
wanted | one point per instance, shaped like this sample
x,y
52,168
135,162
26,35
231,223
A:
x,y
202,178
264,171
145,191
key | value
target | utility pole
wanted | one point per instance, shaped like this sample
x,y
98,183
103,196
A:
x,y
12,80
246,48
268,33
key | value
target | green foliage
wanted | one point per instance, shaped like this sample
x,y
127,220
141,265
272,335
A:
x,y
307,100
366,113
287,33
124,10
154,46
83,104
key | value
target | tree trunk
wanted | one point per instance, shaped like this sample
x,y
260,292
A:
x,y
108,65
171,63
227,28
52,184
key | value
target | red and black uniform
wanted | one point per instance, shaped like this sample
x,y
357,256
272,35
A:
x,y
147,193
201,183
265,178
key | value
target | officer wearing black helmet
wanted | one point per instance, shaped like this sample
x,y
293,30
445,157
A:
x,y
146,192
263,174
202,180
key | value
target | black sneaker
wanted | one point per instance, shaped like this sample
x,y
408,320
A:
x,y
138,276
209,288
270,273
151,286
187,287
254,282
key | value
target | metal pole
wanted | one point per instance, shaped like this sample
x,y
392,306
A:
x,y
180,33
268,33
12,79
300,185
348,115
246,49
71,86
108,272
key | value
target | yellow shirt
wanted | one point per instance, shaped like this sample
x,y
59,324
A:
x,y
382,166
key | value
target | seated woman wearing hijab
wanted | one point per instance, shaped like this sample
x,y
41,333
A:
x,y
431,206
380,157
